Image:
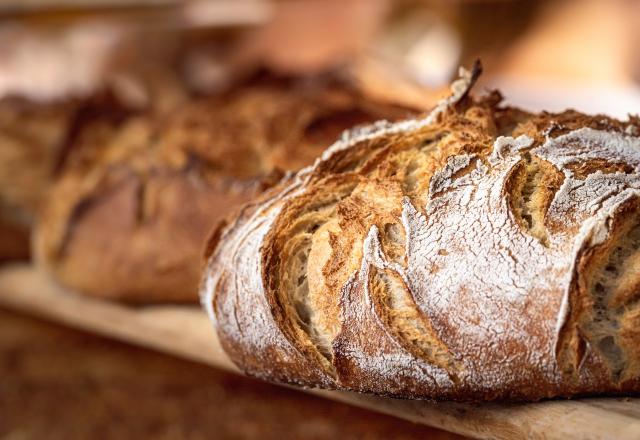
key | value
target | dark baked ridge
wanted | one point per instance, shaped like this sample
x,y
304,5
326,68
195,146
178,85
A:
x,y
127,219
454,257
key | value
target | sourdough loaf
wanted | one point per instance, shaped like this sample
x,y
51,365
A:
x,y
129,221
479,253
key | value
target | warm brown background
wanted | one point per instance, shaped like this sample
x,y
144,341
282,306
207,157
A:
x,y
58,383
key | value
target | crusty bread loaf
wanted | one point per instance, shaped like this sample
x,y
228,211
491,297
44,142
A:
x,y
480,253
35,138
130,221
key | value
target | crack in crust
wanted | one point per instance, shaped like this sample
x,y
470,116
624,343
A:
x,y
532,184
453,257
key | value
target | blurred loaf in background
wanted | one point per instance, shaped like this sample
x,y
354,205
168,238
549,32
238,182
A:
x,y
61,90
128,219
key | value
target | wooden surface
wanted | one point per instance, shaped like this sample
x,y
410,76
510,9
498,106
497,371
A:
x,y
57,382
186,332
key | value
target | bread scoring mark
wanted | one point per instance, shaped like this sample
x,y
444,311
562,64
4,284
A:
x,y
411,175
484,251
593,231
287,253
403,357
586,207
377,361
531,187
401,308
607,285
393,240
236,234
234,294
583,169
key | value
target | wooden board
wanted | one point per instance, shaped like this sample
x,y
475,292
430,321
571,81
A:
x,y
185,331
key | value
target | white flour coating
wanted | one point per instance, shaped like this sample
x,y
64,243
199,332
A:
x,y
373,254
586,144
506,145
467,242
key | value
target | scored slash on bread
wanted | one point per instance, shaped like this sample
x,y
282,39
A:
x,y
479,253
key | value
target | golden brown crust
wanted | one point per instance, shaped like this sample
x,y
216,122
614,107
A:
x,y
128,220
461,256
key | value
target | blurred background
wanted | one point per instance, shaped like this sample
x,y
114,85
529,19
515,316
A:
x,y
67,63
52,48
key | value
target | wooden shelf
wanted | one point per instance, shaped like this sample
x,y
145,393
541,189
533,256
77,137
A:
x,y
186,332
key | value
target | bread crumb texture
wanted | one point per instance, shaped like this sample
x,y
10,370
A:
x,y
479,253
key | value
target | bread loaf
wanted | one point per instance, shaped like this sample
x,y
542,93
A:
x,y
129,222
480,253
